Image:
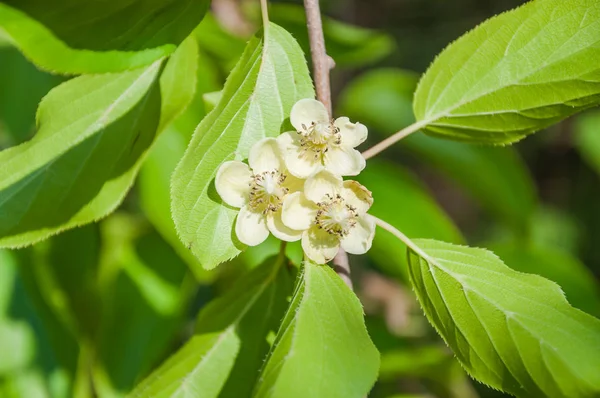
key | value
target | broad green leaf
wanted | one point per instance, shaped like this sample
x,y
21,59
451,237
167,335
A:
x,y
514,74
587,138
178,81
578,283
143,301
348,45
222,359
167,151
93,132
513,331
322,348
269,78
23,86
97,37
496,177
402,201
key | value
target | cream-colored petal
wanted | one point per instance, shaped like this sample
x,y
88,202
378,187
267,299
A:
x,y
298,212
233,183
344,161
293,183
318,186
280,230
356,195
251,227
353,134
307,111
298,163
265,155
320,246
360,238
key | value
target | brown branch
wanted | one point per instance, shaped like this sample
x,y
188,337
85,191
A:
x,y
322,64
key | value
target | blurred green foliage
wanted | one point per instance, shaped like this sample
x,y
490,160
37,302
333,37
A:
x,y
92,311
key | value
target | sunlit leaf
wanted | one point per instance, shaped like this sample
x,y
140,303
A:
x,y
322,348
513,331
93,132
223,358
95,37
514,74
568,272
270,77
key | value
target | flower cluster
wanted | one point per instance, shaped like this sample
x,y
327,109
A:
x,y
292,186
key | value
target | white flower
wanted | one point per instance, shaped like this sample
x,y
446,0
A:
x,y
258,191
321,142
331,212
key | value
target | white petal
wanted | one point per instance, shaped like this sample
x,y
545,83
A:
x,y
357,196
298,212
307,111
233,183
280,230
319,245
251,227
344,161
353,134
360,238
321,184
297,163
265,155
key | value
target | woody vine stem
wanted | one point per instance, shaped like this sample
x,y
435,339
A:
x,y
322,64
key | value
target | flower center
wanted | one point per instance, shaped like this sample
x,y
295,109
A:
x,y
316,138
267,191
336,216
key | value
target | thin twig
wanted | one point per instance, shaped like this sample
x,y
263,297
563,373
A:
x,y
322,64
388,142
405,239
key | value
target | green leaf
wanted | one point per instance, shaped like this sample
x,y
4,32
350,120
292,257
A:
x,y
587,139
223,358
178,81
496,177
514,74
155,176
93,132
348,45
515,332
98,37
574,278
23,86
269,78
322,348
403,202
